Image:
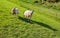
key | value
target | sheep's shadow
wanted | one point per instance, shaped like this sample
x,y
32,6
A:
x,y
39,23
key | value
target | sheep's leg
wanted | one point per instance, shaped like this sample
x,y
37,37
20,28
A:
x,y
29,18
24,17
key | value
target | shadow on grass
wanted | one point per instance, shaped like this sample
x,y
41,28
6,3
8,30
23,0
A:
x,y
39,23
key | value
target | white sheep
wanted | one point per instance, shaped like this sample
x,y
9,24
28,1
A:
x,y
28,13
14,10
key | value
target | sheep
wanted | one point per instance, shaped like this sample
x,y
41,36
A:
x,y
28,14
14,11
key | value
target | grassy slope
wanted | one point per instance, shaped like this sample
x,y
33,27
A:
x,y
12,27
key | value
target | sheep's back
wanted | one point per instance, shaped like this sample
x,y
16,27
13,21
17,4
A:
x,y
27,13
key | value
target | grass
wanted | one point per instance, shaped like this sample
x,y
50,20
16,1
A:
x,y
44,23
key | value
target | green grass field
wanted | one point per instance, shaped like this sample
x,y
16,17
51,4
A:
x,y
45,22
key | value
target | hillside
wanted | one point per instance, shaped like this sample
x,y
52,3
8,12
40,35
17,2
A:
x,y
44,22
